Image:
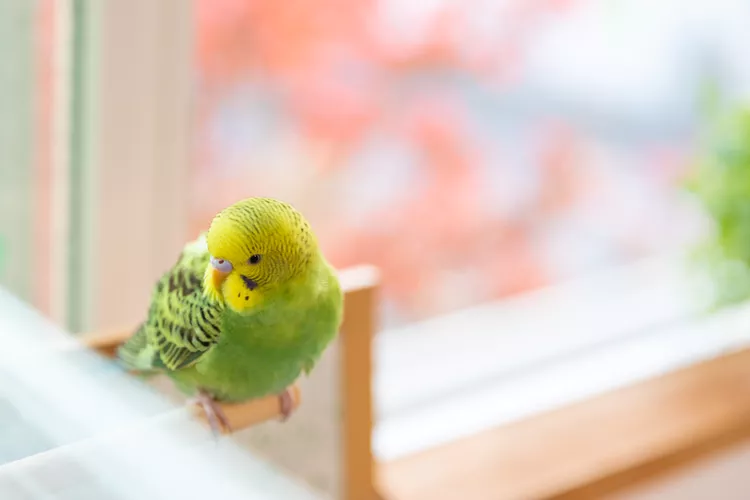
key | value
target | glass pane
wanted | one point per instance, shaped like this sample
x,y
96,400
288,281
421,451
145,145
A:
x,y
473,151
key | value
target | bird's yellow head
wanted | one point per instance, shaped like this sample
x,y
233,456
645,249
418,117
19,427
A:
x,y
257,245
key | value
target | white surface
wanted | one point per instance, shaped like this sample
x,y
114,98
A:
x,y
467,372
430,359
106,434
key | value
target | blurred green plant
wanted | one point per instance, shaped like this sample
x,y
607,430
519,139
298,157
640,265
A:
x,y
721,181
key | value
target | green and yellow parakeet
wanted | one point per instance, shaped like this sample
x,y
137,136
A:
x,y
247,308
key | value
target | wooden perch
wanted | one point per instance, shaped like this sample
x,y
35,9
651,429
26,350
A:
x,y
106,343
360,285
240,415
244,415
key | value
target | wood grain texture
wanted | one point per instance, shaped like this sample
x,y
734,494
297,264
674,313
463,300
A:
x,y
590,449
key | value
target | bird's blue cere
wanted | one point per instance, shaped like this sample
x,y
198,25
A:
x,y
221,264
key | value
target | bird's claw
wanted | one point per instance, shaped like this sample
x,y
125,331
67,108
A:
x,y
286,404
217,419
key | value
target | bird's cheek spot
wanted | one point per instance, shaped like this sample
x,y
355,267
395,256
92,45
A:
x,y
249,283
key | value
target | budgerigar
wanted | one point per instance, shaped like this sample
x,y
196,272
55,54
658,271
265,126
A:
x,y
247,308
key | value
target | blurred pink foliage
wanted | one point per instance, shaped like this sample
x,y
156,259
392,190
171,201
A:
x,y
341,73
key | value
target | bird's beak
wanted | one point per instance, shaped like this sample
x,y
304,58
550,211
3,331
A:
x,y
214,279
217,279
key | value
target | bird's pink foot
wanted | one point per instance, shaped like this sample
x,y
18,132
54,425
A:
x,y
215,415
286,404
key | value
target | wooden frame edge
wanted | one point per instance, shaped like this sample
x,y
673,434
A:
x,y
590,449
357,330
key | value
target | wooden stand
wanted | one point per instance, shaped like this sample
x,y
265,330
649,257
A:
x,y
357,330
240,415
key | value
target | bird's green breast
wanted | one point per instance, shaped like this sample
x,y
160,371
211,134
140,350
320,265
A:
x,y
264,353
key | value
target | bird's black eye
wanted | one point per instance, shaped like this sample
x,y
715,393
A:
x,y
254,259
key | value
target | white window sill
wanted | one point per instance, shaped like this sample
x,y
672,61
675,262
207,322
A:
x,y
457,375
81,407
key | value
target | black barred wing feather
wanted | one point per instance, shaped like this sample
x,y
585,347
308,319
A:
x,y
182,323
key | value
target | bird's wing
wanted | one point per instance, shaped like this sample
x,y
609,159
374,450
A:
x,y
182,323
